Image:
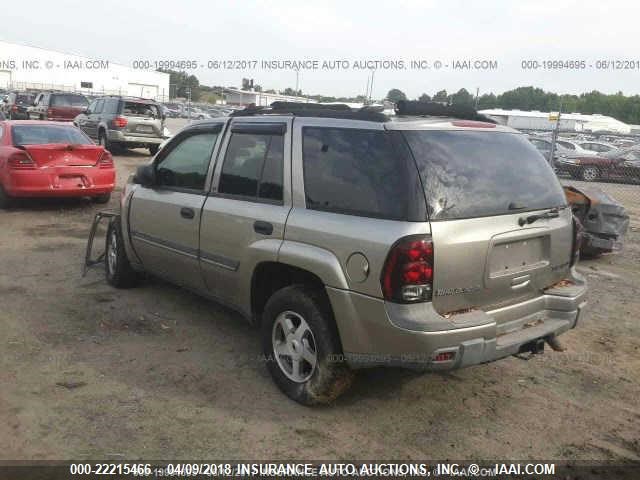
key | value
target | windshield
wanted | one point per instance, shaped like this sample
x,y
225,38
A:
x,y
46,134
477,174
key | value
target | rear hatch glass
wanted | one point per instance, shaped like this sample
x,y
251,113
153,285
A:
x,y
24,99
480,189
468,174
144,110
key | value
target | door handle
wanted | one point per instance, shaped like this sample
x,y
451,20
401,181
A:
x,y
186,212
263,228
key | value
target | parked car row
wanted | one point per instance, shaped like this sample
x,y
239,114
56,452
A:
x,y
591,160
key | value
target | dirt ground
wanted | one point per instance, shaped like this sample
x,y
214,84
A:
x,y
90,372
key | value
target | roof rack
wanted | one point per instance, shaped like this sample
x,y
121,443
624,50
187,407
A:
x,y
434,109
299,109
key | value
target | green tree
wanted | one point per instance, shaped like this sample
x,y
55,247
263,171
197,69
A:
x,y
396,95
441,96
462,97
181,82
424,98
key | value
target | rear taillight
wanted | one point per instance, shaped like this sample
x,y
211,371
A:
x,y
407,276
14,108
119,122
49,112
21,161
576,244
106,160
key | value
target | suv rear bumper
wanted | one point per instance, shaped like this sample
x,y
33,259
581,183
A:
x,y
122,137
375,333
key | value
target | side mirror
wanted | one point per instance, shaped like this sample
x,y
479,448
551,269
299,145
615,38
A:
x,y
145,175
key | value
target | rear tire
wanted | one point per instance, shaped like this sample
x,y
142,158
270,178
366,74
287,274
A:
x,y
589,174
5,200
103,141
309,368
117,267
153,149
101,199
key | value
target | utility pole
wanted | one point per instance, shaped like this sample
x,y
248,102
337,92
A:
x,y
189,102
297,80
366,91
554,138
373,72
477,97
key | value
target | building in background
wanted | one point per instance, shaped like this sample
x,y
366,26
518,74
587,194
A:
x,y
576,122
23,67
261,99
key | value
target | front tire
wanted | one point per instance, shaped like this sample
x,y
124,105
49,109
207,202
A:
x,y
301,344
118,270
102,199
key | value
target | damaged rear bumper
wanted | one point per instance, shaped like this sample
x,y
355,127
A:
x,y
375,333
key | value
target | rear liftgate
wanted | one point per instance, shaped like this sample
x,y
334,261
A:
x,y
88,261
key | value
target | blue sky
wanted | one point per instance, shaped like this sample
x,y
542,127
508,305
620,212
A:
x,y
506,31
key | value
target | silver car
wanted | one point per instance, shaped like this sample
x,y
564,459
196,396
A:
x,y
117,122
354,240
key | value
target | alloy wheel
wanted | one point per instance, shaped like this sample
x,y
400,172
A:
x,y
294,346
112,252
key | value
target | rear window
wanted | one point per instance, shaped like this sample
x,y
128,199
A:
x,y
68,101
24,99
44,134
479,174
360,172
136,109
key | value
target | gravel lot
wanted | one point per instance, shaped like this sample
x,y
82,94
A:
x,y
90,372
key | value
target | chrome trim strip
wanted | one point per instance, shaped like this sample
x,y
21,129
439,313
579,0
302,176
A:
x,y
173,247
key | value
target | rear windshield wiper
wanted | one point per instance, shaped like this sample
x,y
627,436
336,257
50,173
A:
x,y
553,213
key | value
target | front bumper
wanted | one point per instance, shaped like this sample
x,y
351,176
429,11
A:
x,y
375,333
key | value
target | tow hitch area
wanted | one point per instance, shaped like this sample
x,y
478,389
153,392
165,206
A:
x,y
534,347
88,261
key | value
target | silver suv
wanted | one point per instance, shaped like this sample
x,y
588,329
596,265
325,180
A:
x,y
124,122
354,239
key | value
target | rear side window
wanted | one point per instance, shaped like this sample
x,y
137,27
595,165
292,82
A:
x,y
186,165
44,134
567,145
68,101
360,172
478,174
253,166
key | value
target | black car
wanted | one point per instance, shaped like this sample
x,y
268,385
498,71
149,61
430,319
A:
x,y
16,104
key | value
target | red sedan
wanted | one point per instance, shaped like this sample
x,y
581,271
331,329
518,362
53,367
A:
x,y
52,159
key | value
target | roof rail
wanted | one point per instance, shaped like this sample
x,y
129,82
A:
x,y
434,109
299,109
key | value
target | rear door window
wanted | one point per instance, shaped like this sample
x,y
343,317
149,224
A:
x,y
253,166
479,174
359,172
